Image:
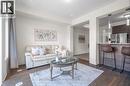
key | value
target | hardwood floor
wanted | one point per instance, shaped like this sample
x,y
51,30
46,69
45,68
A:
x,y
84,56
108,78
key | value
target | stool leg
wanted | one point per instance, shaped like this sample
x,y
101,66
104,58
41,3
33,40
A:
x,y
103,58
123,63
114,60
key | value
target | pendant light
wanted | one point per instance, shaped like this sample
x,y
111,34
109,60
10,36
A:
x,y
109,30
109,21
127,16
128,22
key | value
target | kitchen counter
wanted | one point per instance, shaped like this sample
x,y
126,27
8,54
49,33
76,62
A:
x,y
115,43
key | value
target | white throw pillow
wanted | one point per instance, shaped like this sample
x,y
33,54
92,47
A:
x,y
41,51
64,52
35,51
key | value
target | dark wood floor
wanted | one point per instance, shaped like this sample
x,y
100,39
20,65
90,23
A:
x,y
108,78
84,56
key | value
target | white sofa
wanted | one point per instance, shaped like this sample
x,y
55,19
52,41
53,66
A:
x,y
50,52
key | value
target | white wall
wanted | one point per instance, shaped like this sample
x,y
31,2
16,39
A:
x,y
81,48
70,39
3,49
25,25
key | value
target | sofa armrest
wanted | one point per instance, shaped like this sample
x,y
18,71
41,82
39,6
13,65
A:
x,y
29,62
28,54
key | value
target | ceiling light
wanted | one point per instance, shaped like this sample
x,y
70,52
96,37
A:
x,y
86,26
127,13
68,1
109,25
127,16
71,15
128,22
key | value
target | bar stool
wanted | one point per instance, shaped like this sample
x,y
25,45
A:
x,y
126,52
109,49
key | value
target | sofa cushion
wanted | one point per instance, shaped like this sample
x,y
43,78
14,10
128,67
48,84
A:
x,y
44,57
50,55
48,51
35,51
50,48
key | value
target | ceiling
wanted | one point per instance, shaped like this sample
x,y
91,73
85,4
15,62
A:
x,y
118,17
62,9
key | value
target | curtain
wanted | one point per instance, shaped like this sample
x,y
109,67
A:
x,y
12,44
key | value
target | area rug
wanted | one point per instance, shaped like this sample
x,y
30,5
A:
x,y
84,75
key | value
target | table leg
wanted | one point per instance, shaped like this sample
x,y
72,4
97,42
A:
x,y
76,65
72,71
60,69
51,69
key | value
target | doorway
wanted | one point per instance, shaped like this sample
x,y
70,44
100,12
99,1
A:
x,y
81,41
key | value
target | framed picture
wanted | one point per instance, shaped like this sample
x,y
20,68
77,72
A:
x,y
45,35
81,38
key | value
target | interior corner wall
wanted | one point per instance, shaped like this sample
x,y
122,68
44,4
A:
x,y
70,39
25,25
1,51
93,41
4,49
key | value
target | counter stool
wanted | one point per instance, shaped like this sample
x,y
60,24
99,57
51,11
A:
x,y
126,52
109,49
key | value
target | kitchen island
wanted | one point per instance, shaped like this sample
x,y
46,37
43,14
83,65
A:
x,y
119,57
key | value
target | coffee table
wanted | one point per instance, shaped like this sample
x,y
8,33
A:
x,y
64,62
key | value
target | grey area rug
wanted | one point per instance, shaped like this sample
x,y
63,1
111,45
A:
x,y
83,77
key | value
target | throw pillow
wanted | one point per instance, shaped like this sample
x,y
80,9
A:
x,y
35,51
41,51
47,50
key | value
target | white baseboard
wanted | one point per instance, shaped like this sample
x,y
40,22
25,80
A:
x,y
4,77
80,53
